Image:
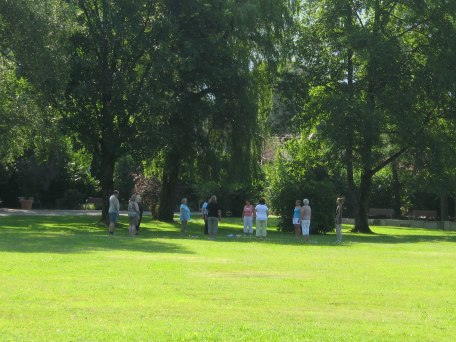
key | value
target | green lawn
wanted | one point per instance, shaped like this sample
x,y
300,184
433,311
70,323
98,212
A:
x,y
64,279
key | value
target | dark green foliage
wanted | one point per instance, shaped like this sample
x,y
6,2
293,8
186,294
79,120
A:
x,y
299,172
230,196
124,172
72,199
320,193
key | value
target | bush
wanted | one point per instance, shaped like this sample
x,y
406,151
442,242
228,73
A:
x,y
72,199
291,179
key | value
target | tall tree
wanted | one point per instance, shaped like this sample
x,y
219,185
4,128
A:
x,y
112,52
368,66
32,75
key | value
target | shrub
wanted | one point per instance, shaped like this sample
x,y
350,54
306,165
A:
x,y
290,179
72,199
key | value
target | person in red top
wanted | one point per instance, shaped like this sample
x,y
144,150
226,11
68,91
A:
x,y
247,218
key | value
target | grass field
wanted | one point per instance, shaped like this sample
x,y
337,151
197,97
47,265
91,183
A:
x,y
64,279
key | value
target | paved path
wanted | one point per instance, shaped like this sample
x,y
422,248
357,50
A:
x,y
45,212
56,212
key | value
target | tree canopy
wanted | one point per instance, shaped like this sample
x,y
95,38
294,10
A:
x,y
190,94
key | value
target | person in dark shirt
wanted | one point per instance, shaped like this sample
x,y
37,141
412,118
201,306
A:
x,y
339,213
141,210
214,215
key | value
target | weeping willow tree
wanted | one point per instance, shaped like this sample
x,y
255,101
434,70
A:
x,y
211,115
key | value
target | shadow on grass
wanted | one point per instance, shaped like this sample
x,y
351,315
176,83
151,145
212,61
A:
x,y
70,234
399,235
76,235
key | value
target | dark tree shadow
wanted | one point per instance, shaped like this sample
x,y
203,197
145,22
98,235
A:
x,y
69,234
66,235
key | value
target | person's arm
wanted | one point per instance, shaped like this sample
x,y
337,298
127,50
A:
x,y
219,214
338,216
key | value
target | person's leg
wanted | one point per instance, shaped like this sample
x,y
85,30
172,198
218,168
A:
x,y
297,229
205,226
210,226
244,220
138,224
112,222
183,228
130,225
265,228
250,224
215,228
262,228
339,232
305,224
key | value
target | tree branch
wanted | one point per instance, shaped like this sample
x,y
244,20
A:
x,y
388,160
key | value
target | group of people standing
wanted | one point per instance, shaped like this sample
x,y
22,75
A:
x,y
301,219
303,213
135,213
212,215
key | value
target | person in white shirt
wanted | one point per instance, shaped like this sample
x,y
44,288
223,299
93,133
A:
x,y
306,214
261,215
113,212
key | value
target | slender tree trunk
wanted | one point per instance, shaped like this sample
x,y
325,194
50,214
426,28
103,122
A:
x,y
362,224
396,191
170,180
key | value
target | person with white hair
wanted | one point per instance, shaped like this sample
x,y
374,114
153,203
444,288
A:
x,y
113,212
261,214
306,214
184,216
133,215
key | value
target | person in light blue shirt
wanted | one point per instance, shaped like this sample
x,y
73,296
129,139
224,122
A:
x,y
297,219
184,216
204,214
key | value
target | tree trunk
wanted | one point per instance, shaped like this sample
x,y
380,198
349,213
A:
x,y
108,162
170,179
362,223
396,191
